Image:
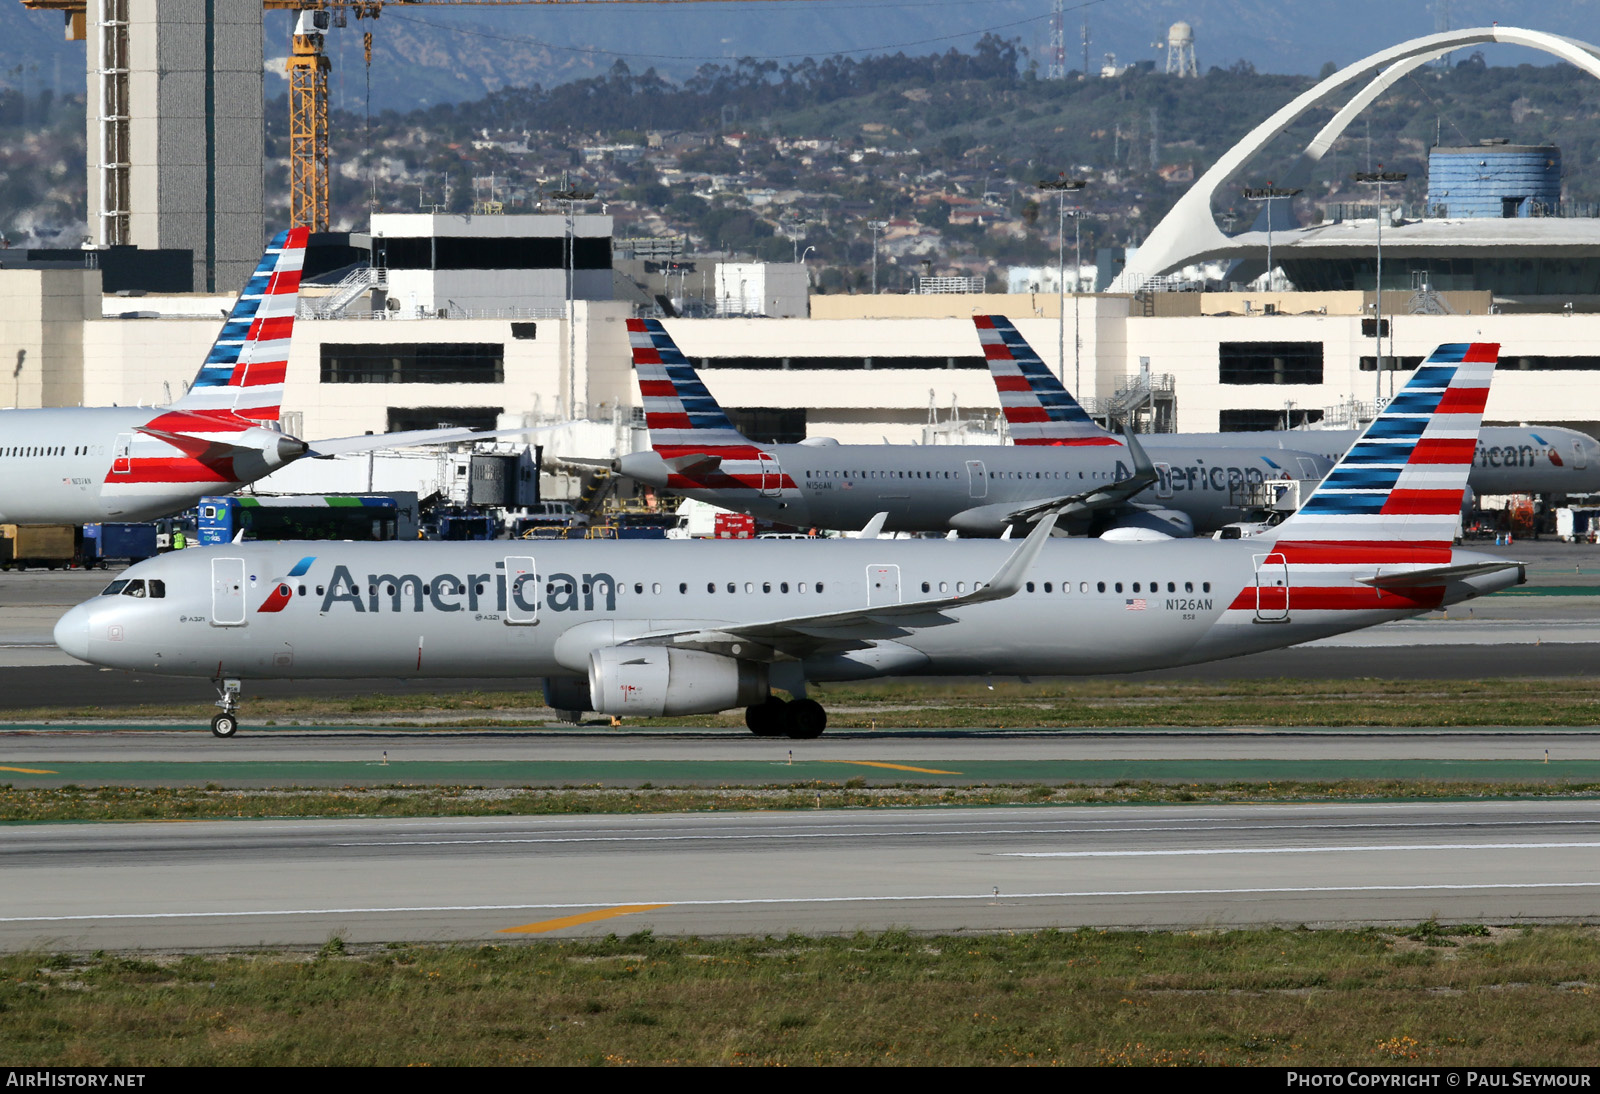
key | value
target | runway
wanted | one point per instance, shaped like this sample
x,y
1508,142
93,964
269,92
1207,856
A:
x,y
371,756
222,885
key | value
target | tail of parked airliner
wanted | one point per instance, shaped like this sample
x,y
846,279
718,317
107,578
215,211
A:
x,y
1403,482
1038,407
243,374
681,414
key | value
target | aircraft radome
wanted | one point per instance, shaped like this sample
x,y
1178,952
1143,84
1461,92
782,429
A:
x,y
635,628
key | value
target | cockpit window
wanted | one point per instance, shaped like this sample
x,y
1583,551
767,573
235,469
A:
x,y
153,589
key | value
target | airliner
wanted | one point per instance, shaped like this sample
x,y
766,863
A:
x,y
1097,483
82,465
647,629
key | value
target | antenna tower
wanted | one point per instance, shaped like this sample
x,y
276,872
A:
x,y
1058,41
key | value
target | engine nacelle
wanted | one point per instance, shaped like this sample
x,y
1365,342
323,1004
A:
x,y
654,682
568,696
1144,525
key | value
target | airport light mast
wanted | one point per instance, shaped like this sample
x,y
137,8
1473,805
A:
x,y
1268,194
1061,186
1378,178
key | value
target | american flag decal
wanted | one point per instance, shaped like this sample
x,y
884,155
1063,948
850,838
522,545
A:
x,y
1137,604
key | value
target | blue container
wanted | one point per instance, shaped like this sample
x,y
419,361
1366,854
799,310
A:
x,y
1494,180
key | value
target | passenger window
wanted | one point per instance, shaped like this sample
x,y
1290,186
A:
x,y
683,587
1135,587
1046,586
749,586
711,586
961,586
1083,587
733,587
319,590
1206,586
819,586
783,586
638,588
1101,585
1188,586
925,587
1030,586
1171,587
655,587
801,587
1119,586
302,588
944,586
766,586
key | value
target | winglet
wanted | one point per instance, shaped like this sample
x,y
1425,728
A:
x,y
873,527
1008,578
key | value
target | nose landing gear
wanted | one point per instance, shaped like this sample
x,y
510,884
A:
x,y
226,724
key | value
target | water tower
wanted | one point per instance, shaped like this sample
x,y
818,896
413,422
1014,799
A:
x,y
1180,51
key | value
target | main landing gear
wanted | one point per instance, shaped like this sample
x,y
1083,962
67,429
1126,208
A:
x,y
801,719
226,724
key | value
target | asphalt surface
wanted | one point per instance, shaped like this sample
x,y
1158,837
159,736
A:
x,y
232,884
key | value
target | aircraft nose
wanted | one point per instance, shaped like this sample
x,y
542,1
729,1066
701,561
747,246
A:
x,y
72,632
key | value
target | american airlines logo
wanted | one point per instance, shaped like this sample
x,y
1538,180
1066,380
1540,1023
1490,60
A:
x,y
283,592
480,593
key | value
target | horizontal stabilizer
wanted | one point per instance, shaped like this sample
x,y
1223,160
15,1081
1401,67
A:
x,y
371,442
695,463
1434,575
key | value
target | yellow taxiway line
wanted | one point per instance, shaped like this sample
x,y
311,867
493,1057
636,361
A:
x,y
30,770
585,917
893,767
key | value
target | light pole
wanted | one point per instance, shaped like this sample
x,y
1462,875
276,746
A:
x,y
1378,178
1061,186
1267,193
568,196
876,226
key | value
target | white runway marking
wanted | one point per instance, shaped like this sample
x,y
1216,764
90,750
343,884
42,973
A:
x,y
737,902
1180,851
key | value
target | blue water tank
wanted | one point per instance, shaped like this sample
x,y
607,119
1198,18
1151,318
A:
x,y
1494,179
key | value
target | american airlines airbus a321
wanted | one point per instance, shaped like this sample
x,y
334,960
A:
x,y
692,627
82,465
1062,461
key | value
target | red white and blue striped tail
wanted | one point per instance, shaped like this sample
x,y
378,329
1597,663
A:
x,y
243,374
1403,483
1038,407
682,416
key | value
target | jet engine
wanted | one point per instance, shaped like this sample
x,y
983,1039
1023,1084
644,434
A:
x,y
1141,525
653,681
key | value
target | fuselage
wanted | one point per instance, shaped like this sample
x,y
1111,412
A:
x,y
321,609
81,465
927,487
1510,459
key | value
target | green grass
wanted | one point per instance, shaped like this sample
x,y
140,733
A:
x,y
1008,704
122,803
1276,997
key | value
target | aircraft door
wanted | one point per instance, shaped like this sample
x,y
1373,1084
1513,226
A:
x,y
977,480
1163,480
1272,589
227,592
1580,458
771,476
522,591
122,459
883,585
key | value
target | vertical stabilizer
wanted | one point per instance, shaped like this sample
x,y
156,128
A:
x,y
1038,407
244,372
1403,482
680,412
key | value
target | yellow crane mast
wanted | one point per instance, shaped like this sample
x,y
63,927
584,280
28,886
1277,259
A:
x,y
308,68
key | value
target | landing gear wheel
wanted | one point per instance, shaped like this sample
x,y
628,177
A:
x,y
767,718
224,725
806,719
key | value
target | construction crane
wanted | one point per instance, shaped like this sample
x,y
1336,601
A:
x,y
308,68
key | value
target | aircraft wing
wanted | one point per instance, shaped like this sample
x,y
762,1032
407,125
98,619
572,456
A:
x,y
800,636
370,442
1066,505
1434,575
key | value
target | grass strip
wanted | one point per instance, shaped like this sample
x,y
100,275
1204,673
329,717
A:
x,y
973,705
1430,994
123,803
